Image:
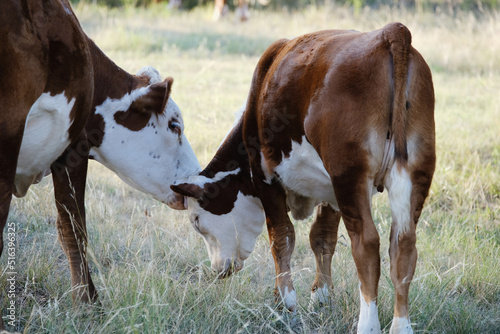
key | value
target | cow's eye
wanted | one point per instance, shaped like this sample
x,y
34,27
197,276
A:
x,y
175,126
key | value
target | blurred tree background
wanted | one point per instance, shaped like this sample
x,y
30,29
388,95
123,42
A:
x,y
449,6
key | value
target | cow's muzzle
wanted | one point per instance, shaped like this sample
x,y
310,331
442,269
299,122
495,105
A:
x,y
230,267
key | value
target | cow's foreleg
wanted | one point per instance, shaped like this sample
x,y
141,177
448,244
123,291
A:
x,y
407,196
10,142
354,203
323,239
6,185
282,239
69,174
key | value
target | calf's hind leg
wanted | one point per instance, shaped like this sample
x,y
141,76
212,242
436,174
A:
x,y
407,195
353,198
323,239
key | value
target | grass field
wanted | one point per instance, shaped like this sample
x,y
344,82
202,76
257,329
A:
x,y
152,270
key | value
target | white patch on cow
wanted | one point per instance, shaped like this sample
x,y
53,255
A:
x,y
401,326
150,159
151,72
368,316
229,237
45,138
303,172
319,297
399,185
289,298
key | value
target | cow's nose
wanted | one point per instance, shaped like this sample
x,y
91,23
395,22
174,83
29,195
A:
x,y
229,267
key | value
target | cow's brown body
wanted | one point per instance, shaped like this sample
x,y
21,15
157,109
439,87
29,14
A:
x,y
352,110
40,43
46,54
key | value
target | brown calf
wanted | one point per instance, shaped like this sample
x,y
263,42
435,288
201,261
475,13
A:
x,y
331,118
62,102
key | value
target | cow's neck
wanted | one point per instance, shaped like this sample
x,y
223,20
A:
x,y
110,81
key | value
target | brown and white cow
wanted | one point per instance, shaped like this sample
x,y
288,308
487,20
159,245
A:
x,y
62,102
331,118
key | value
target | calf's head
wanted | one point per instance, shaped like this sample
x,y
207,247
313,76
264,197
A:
x,y
143,139
225,214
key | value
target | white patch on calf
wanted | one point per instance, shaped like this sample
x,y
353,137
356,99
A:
x,y
201,180
368,317
289,298
45,138
150,159
303,172
230,236
399,186
319,297
401,326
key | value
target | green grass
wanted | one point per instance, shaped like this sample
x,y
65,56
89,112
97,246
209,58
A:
x,y
152,270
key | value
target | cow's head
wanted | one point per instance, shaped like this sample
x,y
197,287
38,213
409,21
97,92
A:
x,y
143,138
225,214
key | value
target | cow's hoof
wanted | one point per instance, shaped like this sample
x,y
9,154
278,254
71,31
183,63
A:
x,y
401,326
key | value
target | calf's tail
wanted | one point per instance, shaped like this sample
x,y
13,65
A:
x,y
399,39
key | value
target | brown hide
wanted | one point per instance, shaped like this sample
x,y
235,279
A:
x,y
44,50
358,99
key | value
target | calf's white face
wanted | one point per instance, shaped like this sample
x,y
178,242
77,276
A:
x,y
228,220
144,141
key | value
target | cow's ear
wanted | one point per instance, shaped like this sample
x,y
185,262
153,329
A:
x,y
155,100
168,82
188,189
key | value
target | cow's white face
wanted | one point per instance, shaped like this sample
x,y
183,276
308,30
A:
x,y
228,220
144,142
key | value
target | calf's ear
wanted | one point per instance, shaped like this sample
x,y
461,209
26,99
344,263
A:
x,y
177,202
188,189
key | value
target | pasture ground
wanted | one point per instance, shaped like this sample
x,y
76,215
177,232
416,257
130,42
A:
x,y
152,270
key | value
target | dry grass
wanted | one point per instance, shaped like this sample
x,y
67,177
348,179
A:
x,y
151,269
